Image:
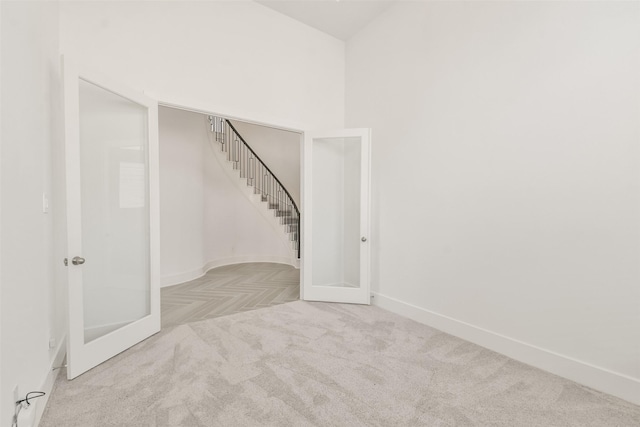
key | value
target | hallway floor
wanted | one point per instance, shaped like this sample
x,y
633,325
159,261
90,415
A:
x,y
228,290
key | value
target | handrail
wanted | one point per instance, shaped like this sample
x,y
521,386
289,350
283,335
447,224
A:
x,y
267,183
264,164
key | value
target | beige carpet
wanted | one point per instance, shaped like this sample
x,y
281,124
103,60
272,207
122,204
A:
x,y
316,364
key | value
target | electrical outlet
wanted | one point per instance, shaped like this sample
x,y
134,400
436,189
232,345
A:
x,y
52,343
16,394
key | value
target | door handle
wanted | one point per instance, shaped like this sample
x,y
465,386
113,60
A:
x,y
364,239
76,260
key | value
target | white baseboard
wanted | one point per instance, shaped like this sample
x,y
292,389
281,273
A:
x,y
49,381
616,384
176,279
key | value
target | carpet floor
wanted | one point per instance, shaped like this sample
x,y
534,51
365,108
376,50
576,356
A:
x,y
320,364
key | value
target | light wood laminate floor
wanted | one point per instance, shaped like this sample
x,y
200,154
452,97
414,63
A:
x,y
228,290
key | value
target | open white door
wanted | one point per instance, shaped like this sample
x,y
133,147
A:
x,y
335,216
111,159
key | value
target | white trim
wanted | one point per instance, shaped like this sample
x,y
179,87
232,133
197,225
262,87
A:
x,y
216,110
176,279
339,285
607,381
95,332
50,379
302,227
365,215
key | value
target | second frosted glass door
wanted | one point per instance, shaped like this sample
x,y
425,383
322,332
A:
x,y
335,216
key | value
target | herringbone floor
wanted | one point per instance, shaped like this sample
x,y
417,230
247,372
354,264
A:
x,y
228,290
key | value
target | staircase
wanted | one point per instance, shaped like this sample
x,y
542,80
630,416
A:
x,y
258,176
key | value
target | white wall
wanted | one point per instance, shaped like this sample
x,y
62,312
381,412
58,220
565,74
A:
x,y
30,100
182,151
233,58
205,218
505,164
279,149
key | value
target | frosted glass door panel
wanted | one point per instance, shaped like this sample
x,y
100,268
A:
x,y
114,210
336,212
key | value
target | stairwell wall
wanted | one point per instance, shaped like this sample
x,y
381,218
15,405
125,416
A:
x,y
182,151
505,165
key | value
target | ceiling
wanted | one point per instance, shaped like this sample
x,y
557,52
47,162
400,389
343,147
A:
x,y
341,19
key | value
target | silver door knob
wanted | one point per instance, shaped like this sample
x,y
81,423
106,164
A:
x,y
76,260
364,239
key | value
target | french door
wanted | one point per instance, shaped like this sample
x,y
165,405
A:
x,y
335,218
111,162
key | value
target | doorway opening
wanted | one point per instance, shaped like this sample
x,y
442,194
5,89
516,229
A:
x,y
229,234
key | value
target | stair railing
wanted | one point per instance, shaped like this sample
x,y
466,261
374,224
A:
x,y
258,176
